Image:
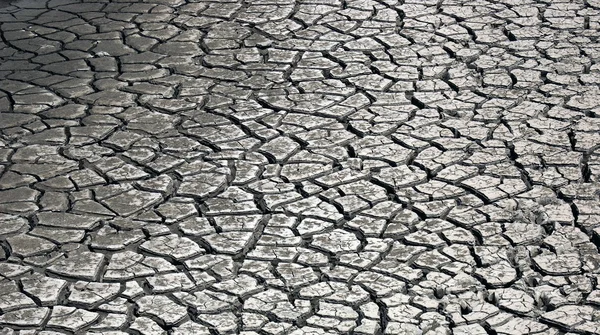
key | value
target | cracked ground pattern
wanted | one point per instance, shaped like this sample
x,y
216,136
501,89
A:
x,y
300,167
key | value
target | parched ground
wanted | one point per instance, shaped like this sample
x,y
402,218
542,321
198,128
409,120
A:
x,y
300,167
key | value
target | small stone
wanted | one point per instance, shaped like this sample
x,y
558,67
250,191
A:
x,y
178,248
71,318
163,308
85,265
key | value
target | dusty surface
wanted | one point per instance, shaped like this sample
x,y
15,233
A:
x,y
308,167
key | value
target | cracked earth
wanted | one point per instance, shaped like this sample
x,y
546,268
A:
x,y
300,167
